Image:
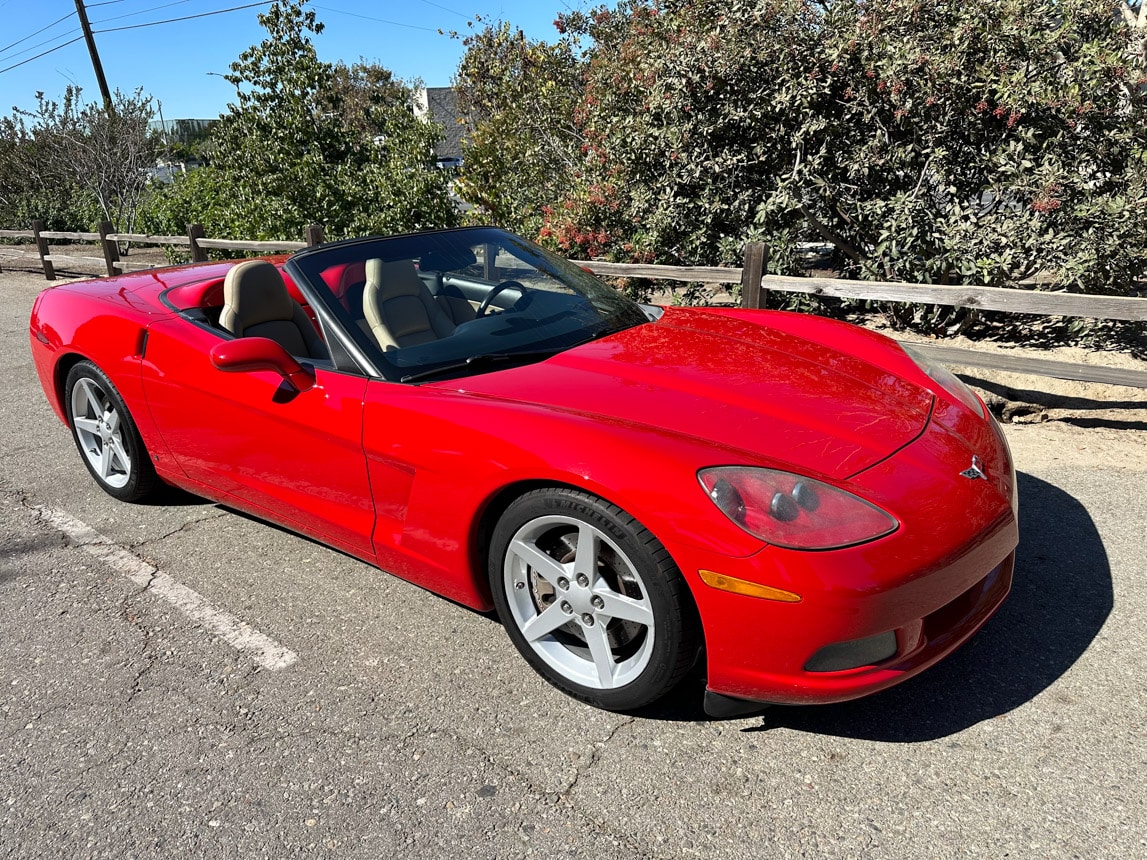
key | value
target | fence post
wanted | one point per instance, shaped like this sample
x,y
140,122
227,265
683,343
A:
x,y
313,235
111,249
44,251
756,262
194,234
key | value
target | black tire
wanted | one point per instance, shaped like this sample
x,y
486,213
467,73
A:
x,y
106,436
558,605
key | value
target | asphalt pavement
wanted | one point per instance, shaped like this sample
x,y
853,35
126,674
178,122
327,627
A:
x,y
138,720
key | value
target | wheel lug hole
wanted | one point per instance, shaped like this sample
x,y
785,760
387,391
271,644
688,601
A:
x,y
563,583
583,580
597,602
587,619
566,608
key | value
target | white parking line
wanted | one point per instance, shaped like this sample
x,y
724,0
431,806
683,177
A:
x,y
238,633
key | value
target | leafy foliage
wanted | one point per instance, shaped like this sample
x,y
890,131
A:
x,y
186,140
998,139
687,128
72,164
988,141
311,142
519,96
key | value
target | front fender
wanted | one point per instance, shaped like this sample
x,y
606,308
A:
x,y
440,458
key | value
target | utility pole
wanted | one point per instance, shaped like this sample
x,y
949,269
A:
x,y
100,79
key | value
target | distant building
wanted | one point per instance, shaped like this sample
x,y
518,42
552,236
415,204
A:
x,y
440,105
182,131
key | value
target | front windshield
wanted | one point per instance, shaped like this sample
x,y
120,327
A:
x,y
448,303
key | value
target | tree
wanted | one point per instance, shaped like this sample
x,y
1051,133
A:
x,y
686,128
519,98
983,142
30,186
185,139
1134,13
65,156
307,141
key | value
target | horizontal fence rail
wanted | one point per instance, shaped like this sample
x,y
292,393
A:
x,y
240,245
148,239
686,274
1032,366
982,298
108,242
755,286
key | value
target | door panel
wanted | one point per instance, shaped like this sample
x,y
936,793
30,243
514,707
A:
x,y
297,455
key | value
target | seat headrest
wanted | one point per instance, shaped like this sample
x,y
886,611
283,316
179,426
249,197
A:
x,y
255,292
393,279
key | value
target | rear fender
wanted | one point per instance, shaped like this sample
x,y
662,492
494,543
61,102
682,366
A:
x,y
87,328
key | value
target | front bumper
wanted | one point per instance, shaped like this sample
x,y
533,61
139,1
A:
x,y
876,614
763,649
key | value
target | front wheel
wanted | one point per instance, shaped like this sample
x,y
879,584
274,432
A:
x,y
106,435
591,599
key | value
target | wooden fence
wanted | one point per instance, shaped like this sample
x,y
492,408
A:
x,y
755,287
107,242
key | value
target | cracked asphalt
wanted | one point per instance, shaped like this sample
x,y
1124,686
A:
x,y
410,727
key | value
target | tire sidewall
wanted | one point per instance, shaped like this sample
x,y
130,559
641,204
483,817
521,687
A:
x,y
671,632
142,475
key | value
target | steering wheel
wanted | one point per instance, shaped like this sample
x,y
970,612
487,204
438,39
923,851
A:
x,y
502,287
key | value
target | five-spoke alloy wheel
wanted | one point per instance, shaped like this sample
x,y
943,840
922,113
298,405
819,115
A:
x,y
592,599
106,435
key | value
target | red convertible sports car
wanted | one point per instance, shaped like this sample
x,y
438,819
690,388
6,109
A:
x,y
802,505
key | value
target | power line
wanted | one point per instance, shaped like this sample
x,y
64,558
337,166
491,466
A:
x,y
445,9
184,18
47,41
7,48
377,20
140,12
115,30
44,54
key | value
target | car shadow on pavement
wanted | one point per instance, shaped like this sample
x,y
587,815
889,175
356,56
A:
x,y
1060,599
167,496
1052,400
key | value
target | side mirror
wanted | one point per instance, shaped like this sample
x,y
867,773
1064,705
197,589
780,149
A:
x,y
245,354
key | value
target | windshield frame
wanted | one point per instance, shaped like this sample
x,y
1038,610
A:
x,y
585,307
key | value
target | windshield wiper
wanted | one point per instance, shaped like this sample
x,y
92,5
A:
x,y
476,362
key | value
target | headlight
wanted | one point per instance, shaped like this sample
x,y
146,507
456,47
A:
x,y
793,511
948,381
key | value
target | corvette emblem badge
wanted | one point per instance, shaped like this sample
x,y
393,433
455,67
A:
x,y
976,471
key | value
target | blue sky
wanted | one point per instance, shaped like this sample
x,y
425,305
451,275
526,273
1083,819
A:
x,y
178,62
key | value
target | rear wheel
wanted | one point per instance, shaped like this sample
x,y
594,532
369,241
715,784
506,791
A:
x,y
106,435
591,599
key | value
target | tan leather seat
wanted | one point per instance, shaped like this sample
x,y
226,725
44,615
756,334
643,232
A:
x,y
256,304
440,261
398,307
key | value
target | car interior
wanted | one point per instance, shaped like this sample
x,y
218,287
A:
x,y
408,305
397,304
256,304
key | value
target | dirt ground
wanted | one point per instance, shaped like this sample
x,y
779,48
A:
x,y
1051,421
1058,420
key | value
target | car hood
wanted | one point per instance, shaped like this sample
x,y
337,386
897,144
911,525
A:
x,y
740,384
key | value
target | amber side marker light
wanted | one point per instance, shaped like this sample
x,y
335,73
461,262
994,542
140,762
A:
x,y
749,589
